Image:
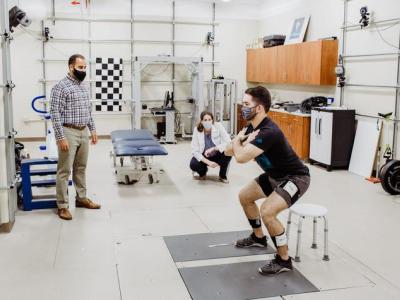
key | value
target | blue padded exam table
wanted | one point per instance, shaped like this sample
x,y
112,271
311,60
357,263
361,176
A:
x,y
140,146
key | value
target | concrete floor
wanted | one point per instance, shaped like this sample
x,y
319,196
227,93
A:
x,y
118,252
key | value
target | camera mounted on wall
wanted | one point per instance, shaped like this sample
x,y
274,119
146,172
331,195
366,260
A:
x,y
46,34
340,72
18,16
210,38
364,21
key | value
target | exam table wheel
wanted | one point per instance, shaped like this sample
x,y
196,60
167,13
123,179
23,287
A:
x,y
128,181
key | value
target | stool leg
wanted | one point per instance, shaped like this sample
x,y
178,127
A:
x,y
326,256
314,243
297,257
289,221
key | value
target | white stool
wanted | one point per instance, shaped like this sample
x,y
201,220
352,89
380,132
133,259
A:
x,y
309,210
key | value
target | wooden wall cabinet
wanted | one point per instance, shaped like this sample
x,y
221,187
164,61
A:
x,y
310,63
296,129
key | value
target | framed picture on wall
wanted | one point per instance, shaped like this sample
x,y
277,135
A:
x,y
297,30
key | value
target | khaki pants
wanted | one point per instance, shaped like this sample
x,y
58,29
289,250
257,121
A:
x,y
76,159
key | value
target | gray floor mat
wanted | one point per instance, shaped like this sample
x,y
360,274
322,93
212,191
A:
x,y
210,246
239,281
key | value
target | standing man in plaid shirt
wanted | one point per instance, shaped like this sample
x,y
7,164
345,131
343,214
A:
x,y
70,111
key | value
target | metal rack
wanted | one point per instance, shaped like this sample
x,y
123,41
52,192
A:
x,y
344,29
194,64
173,22
222,96
9,137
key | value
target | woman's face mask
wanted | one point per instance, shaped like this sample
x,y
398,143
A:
x,y
207,124
248,114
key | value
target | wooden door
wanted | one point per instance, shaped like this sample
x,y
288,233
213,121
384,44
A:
x,y
287,63
297,135
275,117
284,125
309,63
253,65
268,65
329,54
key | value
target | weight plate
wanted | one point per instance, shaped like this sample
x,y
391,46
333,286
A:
x,y
390,177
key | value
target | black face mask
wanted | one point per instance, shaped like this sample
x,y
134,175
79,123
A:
x,y
80,75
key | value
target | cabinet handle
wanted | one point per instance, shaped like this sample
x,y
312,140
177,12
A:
x,y
315,127
319,126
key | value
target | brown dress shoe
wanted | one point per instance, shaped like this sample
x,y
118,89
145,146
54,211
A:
x,y
86,203
64,214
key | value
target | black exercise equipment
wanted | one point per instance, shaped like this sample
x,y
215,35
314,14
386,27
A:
x,y
390,177
389,173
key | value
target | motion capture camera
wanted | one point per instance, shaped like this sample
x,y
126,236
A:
x,y
364,21
210,38
18,16
46,34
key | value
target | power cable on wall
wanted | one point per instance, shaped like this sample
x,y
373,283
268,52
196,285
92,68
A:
x,y
36,35
382,38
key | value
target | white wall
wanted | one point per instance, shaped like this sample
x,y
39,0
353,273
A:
x,y
238,27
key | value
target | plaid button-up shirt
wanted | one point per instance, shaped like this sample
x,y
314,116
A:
x,y
69,104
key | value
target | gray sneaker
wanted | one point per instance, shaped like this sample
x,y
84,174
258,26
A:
x,y
276,266
252,241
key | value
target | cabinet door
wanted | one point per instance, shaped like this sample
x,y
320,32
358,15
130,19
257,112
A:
x,y
325,123
329,54
268,65
314,138
309,63
271,115
287,63
321,136
285,125
296,130
274,116
253,65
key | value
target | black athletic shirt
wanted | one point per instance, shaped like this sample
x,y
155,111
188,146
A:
x,y
278,159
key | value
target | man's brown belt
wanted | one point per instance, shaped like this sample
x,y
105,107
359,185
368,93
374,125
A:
x,y
74,126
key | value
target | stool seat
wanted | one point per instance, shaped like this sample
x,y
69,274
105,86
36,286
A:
x,y
309,210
